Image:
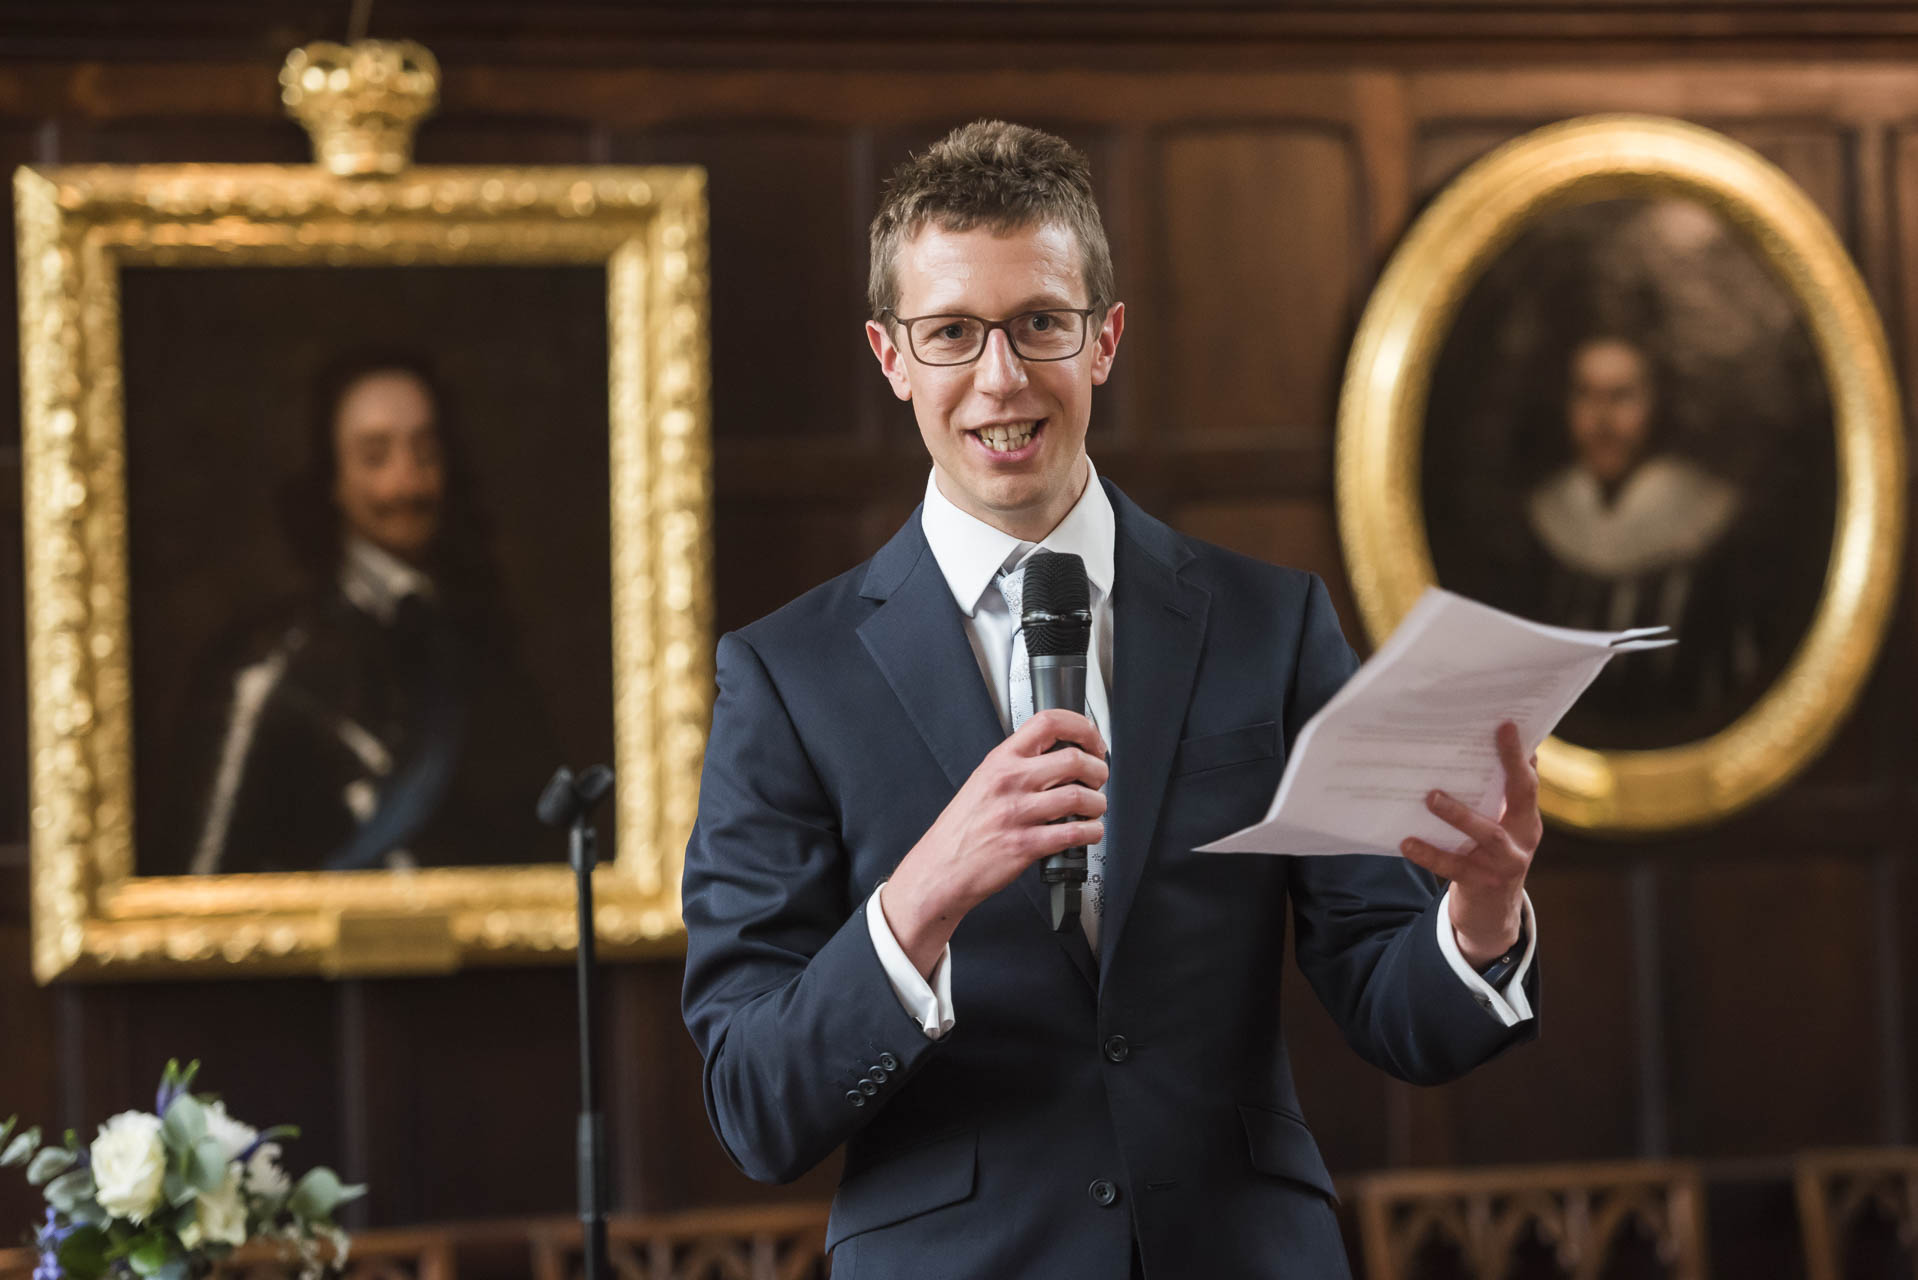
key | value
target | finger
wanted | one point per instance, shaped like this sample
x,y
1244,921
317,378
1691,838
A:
x,y
1487,833
1442,863
1038,734
1056,768
1043,842
1062,802
1521,775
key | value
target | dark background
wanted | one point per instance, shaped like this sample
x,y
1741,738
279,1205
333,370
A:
x,y
220,365
1732,995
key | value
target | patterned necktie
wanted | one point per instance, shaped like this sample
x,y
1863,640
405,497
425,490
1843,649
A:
x,y
1012,587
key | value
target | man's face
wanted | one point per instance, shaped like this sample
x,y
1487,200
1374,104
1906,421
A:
x,y
1609,408
1006,434
390,480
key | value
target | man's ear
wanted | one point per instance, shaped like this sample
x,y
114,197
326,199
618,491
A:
x,y
1106,343
892,361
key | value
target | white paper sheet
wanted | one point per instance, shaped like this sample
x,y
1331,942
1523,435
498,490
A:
x,y
1423,714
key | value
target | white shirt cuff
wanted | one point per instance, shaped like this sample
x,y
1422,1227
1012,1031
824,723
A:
x,y
1507,1004
929,1003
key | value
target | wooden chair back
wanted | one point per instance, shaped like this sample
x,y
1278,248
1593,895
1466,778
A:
x,y
1576,1221
775,1243
1858,1212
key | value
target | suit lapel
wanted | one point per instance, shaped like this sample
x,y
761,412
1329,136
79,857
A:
x,y
918,640
1158,632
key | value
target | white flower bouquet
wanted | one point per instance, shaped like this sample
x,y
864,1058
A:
x,y
162,1195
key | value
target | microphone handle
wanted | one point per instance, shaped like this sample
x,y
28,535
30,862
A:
x,y
1059,681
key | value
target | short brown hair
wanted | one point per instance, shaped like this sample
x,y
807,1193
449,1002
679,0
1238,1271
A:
x,y
993,174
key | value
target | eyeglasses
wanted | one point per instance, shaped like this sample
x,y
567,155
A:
x,y
1056,333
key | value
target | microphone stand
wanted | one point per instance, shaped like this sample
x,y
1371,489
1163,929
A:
x,y
568,801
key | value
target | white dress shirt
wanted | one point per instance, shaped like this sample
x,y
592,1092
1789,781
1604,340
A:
x,y
971,554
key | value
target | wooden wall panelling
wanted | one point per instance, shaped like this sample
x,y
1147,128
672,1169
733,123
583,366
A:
x,y
1770,965
469,1091
29,1069
786,287
493,139
174,139
1263,242
1589,1045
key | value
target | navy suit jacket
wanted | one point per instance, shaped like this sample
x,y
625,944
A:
x,y
1080,1103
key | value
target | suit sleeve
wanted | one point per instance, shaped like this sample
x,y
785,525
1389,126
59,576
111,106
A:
x,y
785,995
1368,928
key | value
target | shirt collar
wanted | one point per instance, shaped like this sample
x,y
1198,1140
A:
x,y
971,552
376,580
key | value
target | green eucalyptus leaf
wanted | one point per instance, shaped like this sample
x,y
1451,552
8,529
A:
x,y
50,1164
6,1130
21,1149
67,1191
177,1189
90,1212
208,1168
175,1269
83,1254
149,1255
185,1123
319,1193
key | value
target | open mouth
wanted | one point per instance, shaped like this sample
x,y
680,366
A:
x,y
1012,440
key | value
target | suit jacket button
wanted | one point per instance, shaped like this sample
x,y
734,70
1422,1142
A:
x,y
868,1088
889,1062
1103,1193
855,1097
877,1075
1117,1050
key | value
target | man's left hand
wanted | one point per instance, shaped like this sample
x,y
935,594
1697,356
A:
x,y
1488,877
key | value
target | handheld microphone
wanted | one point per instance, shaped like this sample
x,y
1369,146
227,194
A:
x,y
1056,615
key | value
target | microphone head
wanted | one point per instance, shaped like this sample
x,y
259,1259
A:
x,y
1056,607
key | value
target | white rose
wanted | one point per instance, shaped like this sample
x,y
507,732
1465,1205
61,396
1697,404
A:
x,y
234,1137
220,1217
264,1177
129,1165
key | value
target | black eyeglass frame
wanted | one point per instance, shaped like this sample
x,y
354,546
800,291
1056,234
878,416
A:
x,y
1084,313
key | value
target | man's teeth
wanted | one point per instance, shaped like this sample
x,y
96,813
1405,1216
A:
x,y
1006,439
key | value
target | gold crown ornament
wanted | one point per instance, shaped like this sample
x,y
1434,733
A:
x,y
361,102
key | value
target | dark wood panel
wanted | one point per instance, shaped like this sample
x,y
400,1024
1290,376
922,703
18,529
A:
x,y
29,1075
761,564
788,273
1588,1048
483,139
181,139
470,1095
1772,1026
1262,239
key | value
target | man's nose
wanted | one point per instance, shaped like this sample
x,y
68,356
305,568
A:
x,y
1000,371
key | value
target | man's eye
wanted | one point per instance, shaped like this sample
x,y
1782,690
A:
x,y
951,332
1041,321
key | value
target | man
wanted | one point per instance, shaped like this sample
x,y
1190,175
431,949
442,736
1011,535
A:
x,y
388,722
870,957
1631,534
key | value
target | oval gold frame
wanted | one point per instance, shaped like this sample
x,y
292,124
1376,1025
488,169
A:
x,y
1381,429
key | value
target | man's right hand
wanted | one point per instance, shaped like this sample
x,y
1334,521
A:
x,y
1002,821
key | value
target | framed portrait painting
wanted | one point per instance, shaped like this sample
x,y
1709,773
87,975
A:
x,y
1621,373
355,505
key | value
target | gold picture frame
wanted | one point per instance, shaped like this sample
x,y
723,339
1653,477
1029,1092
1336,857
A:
x,y
93,916
1381,438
